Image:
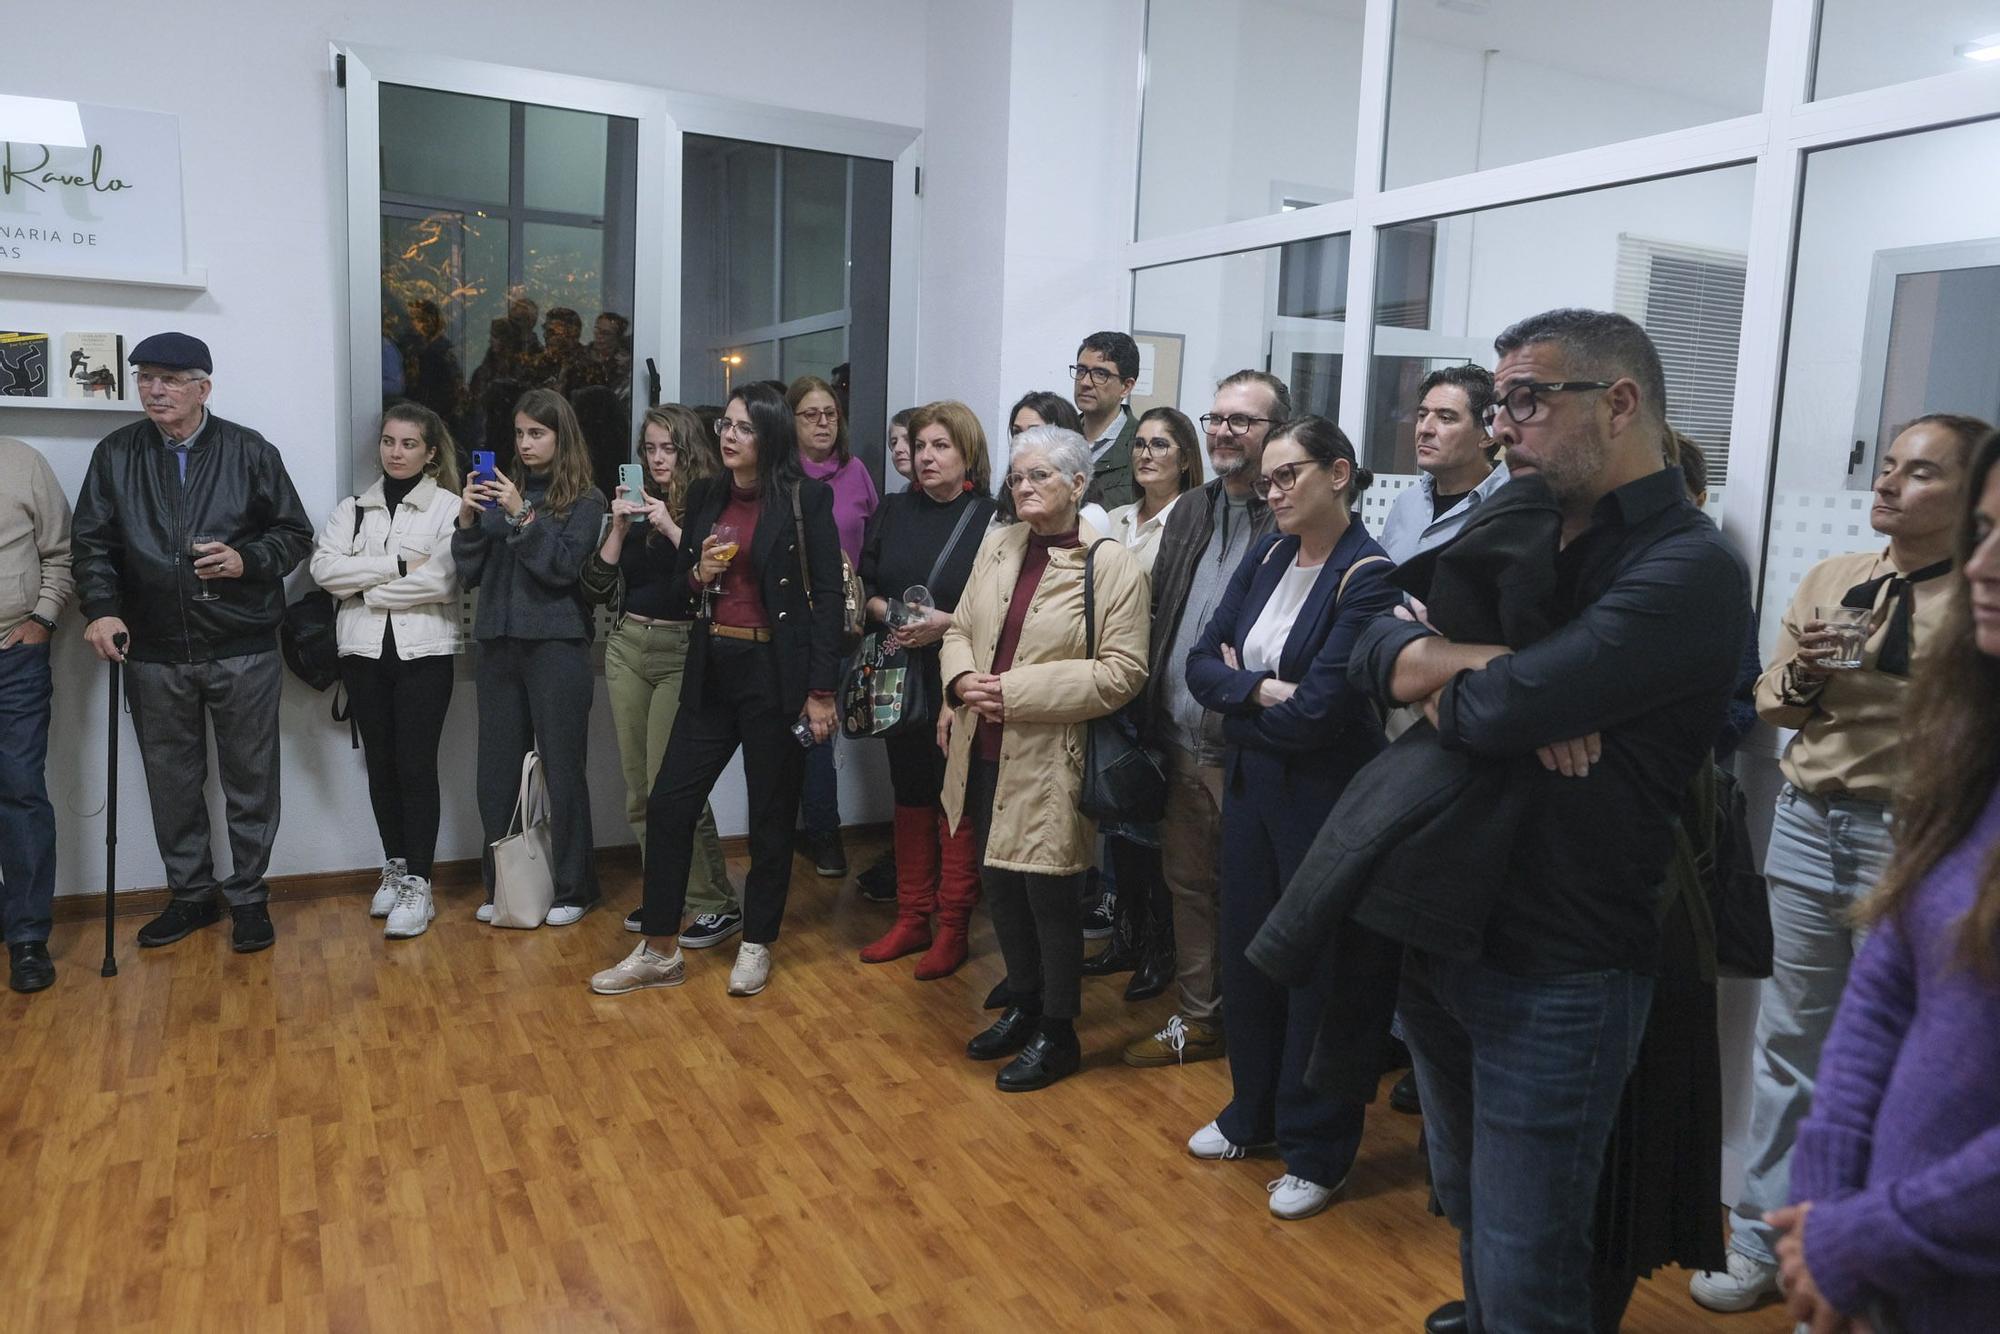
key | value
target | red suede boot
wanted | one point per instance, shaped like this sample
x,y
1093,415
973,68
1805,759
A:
x,y
958,895
916,886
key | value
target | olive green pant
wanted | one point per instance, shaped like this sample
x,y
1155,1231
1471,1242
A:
x,y
642,674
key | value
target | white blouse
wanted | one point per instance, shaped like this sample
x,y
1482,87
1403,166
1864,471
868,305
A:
x,y
1141,536
1264,646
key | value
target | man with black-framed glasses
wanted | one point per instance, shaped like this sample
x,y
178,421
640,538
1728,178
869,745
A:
x,y
1106,368
1206,537
1619,703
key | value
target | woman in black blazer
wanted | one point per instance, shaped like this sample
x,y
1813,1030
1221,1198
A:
x,y
1273,662
761,670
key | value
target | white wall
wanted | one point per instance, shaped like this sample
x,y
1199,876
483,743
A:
x,y
261,146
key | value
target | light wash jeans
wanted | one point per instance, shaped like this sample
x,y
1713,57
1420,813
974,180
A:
x,y
1826,854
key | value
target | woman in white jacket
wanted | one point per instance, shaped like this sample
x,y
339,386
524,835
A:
x,y
386,554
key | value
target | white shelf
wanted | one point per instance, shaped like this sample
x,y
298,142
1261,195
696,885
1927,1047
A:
x,y
194,280
72,404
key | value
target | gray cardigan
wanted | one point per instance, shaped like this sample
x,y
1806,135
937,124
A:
x,y
528,577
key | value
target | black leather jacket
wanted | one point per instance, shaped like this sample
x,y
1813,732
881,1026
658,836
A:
x,y
135,519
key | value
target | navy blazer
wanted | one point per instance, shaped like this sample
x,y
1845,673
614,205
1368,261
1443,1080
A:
x,y
1327,729
804,630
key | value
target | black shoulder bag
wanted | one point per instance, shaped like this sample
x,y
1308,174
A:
x,y
310,645
1122,779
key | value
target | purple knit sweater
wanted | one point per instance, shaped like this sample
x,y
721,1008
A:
x,y
1901,1153
854,499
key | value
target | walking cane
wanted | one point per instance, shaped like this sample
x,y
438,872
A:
x,y
110,968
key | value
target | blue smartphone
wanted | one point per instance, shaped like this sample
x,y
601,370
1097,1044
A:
x,y
633,479
484,469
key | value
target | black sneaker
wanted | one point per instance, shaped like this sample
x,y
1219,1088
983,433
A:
x,y
877,884
30,969
829,857
182,918
1097,921
711,928
252,930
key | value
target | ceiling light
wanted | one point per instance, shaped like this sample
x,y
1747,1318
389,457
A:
x,y
41,120
1982,48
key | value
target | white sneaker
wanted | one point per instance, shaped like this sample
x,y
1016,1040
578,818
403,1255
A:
x,y
485,913
393,872
413,910
640,969
565,914
752,970
1739,1286
1294,1197
1209,1142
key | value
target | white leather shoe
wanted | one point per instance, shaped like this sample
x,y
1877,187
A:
x,y
565,914
640,969
752,970
1294,1197
413,910
393,872
485,913
1740,1285
1209,1142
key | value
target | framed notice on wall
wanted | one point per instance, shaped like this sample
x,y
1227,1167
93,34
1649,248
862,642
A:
x,y
109,207
1159,371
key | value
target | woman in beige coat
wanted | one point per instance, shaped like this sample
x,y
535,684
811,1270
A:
x,y
1020,689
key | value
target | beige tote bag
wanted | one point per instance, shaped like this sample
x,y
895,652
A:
x,y
524,883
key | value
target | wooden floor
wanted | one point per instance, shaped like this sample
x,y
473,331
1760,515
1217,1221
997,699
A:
x,y
453,1133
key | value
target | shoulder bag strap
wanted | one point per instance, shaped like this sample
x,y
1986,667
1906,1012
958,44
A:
x,y
952,545
799,536
1341,592
1089,599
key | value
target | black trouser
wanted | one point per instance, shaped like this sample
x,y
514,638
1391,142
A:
x,y
916,767
1037,917
739,708
399,708
535,694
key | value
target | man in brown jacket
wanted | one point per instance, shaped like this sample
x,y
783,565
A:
x,y
35,586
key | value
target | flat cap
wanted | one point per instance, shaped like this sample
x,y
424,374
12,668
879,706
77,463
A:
x,y
176,351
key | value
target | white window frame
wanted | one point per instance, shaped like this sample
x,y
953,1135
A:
x,y
664,116
1774,141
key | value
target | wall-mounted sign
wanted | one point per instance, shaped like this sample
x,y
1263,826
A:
x,y
112,205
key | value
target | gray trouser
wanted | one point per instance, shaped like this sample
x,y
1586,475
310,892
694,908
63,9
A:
x,y
534,694
173,705
1826,854
1190,845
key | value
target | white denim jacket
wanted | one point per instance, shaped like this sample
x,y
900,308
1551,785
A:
x,y
357,564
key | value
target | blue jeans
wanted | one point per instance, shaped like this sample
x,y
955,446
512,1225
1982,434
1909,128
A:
x,y
27,821
1521,1079
1826,853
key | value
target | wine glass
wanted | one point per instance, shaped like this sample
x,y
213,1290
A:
x,y
195,545
727,542
917,604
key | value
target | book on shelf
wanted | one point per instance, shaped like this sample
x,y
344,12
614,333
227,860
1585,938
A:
x,y
24,365
94,366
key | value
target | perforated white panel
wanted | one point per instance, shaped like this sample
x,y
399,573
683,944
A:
x,y
1806,528
468,601
1377,499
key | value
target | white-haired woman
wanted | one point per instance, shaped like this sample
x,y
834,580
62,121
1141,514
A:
x,y
1021,685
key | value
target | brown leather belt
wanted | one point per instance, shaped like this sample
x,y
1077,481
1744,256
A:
x,y
755,634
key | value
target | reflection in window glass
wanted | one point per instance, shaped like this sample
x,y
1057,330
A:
x,y
1862,46
443,145
1448,285
1474,85
1229,313
815,237
813,354
1892,317
750,186
1250,109
564,163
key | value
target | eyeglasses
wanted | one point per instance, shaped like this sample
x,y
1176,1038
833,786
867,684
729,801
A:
x,y
1038,476
1235,423
1097,375
741,430
147,379
819,416
1524,399
1153,447
1281,478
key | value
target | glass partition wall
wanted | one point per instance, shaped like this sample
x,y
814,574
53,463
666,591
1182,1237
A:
x,y
1790,195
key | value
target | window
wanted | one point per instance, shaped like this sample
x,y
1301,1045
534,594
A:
x,y
1690,300
1860,47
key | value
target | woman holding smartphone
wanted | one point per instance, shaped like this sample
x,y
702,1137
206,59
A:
x,y
647,651
523,535
760,566
386,554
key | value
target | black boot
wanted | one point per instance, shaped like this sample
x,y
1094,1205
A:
x,y
877,884
999,998
1121,953
1447,1319
1155,972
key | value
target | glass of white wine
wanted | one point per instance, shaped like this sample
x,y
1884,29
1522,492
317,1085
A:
x,y
727,542
195,552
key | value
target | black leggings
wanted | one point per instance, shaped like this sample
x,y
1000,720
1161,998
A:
x,y
1036,917
399,707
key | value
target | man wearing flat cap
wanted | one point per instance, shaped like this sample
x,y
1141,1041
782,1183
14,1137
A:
x,y
184,532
